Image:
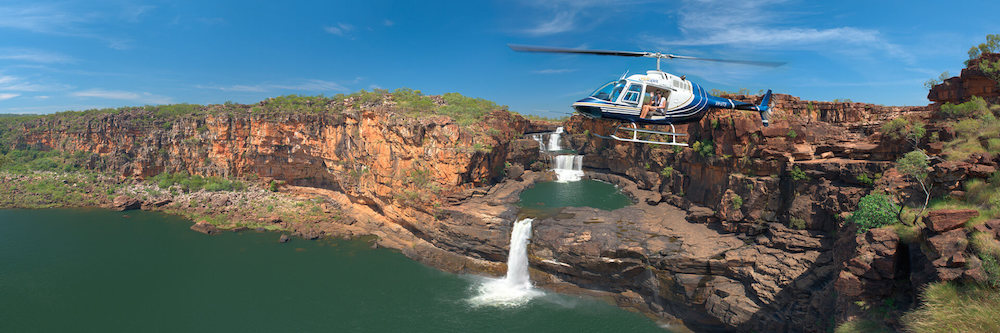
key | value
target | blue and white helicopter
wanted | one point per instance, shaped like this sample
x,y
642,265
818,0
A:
x,y
621,100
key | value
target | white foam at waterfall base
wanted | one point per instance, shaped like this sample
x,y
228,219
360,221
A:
x,y
515,289
554,139
568,168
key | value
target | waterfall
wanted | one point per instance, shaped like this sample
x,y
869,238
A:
x,y
514,289
541,144
554,139
568,168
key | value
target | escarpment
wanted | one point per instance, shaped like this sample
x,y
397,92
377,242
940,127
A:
x,y
744,229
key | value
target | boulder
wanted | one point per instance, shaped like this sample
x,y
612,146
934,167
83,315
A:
x,y
270,219
123,203
205,228
284,238
947,245
947,219
515,171
981,170
990,227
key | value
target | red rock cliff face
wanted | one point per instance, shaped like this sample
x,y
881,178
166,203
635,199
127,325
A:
x,y
971,82
378,157
803,172
833,144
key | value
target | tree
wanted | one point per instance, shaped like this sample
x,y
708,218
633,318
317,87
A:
x,y
901,128
930,83
992,45
914,164
874,210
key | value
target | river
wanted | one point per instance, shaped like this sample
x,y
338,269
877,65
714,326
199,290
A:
x,y
98,270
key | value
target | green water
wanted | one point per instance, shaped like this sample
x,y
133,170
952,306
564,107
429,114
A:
x,y
547,197
96,270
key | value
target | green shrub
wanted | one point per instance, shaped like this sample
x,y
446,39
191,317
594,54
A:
x,y
704,148
974,107
797,174
901,128
667,171
874,211
736,200
273,186
865,180
796,223
792,134
715,124
189,183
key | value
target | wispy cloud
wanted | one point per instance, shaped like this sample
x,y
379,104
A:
x,y
308,85
560,16
32,55
134,13
760,24
57,20
144,97
554,71
341,29
7,96
388,23
15,83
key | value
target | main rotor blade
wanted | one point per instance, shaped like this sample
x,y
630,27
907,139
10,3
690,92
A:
x,y
546,49
526,48
744,62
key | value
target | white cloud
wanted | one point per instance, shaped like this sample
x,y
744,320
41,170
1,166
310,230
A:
x,y
144,97
55,20
32,55
8,96
14,83
340,29
388,23
562,16
133,13
761,24
308,85
564,20
554,71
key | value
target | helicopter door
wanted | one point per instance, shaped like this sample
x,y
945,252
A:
x,y
633,94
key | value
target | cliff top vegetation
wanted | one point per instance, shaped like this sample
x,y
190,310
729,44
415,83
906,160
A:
x,y
406,102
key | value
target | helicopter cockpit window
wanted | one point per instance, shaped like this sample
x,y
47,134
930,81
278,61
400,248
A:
x,y
632,96
610,91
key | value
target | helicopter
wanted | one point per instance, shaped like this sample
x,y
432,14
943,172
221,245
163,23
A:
x,y
621,100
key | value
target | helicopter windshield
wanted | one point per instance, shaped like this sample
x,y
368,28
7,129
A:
x,y
609,91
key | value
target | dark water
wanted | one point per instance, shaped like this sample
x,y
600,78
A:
x,y
547,197
95,270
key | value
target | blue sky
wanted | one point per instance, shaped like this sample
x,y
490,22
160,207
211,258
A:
x,y
74,55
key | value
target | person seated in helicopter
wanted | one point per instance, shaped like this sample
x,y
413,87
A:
x,y
658,103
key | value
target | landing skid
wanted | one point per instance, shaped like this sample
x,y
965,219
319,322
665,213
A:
x,y
635,135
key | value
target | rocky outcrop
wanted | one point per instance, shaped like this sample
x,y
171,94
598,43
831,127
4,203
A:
x,y
946,254
123,203
971,82
205,228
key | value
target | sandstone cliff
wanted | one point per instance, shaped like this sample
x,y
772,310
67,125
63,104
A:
x,y
971,82
742,230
